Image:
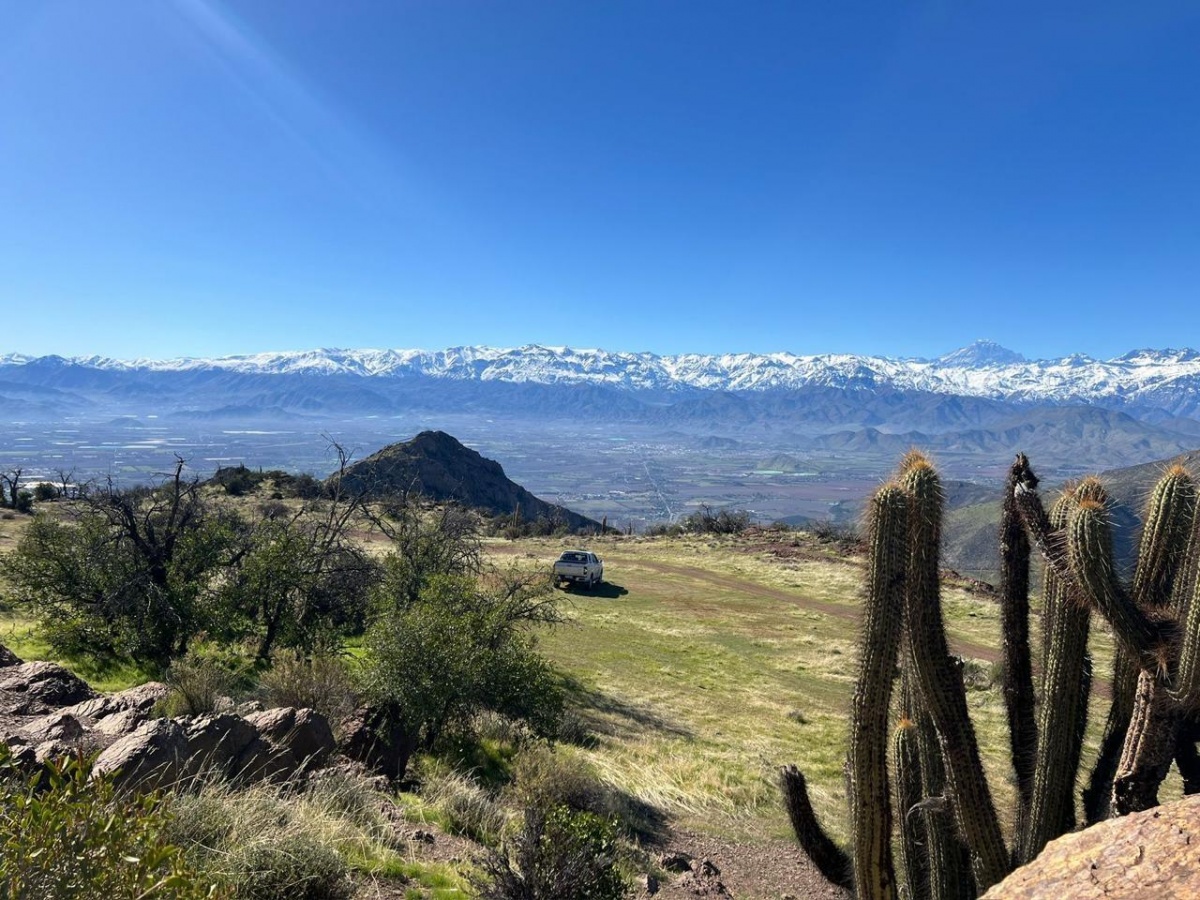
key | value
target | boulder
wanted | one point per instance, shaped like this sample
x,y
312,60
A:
x,y
1142,855
152,756
675,861
141,698
262,760
48,751
58,726
215,744
44,686
121,723
8,658
305,732
368,737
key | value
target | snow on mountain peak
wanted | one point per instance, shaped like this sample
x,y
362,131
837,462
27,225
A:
x,y
981,353
982,369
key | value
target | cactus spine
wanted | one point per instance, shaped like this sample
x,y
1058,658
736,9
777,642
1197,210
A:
x,y
939,681
935,738
1060,721
870,800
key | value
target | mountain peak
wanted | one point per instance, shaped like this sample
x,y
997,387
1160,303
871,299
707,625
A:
x,y
439,467
981,353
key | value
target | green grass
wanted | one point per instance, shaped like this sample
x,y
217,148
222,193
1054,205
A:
x,y
19,634
707,662
715,660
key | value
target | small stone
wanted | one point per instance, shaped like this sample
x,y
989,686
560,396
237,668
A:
x,y
675,862
648,884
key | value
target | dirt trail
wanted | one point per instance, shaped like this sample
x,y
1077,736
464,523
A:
x,y
769,871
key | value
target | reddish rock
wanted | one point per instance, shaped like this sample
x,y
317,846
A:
x,y
1152,854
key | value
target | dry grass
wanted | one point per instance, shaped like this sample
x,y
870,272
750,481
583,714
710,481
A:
x,y
721,661
708,661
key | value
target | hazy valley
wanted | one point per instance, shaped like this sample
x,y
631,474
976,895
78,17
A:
x,y
632,437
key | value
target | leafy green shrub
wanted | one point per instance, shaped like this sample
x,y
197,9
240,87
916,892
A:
x,y
44,491
559,855
322,682
63,834
460,649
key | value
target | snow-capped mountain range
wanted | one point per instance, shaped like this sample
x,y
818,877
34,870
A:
x,y
1169,379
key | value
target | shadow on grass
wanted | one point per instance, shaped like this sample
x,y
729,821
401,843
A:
x,y
606,590
616,717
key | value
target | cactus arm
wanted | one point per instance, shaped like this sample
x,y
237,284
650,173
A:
x,y
906,761
949,861
1166,531
1063,712
830,860
1186,598
883,620
940,683
1018,666
1149,747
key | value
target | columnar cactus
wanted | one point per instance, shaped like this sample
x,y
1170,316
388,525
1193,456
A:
x,y
1018,666
939,680
1066,677
906,760
1159,683
870,800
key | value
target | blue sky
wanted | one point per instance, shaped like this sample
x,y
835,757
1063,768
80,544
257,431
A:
x,y
192,177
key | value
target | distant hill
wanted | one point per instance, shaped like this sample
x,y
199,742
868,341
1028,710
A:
x,y
783,462
970,532
437,466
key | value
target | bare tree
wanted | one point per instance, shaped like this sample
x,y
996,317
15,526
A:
x,y
303,570
11,480
67,488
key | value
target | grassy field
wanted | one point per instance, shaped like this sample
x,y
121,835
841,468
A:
x,y
706,663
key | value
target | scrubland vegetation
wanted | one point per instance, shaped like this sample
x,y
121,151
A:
x,y
559,735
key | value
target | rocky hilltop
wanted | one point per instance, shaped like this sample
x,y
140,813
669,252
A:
x,y
438,467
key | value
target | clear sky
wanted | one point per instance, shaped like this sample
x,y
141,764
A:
x,y
195,177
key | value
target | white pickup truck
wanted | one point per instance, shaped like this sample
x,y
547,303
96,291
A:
x,y
579,566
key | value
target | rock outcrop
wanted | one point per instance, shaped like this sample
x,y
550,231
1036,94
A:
x,y
47,712
369,738
305,733
1155,853
35,688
